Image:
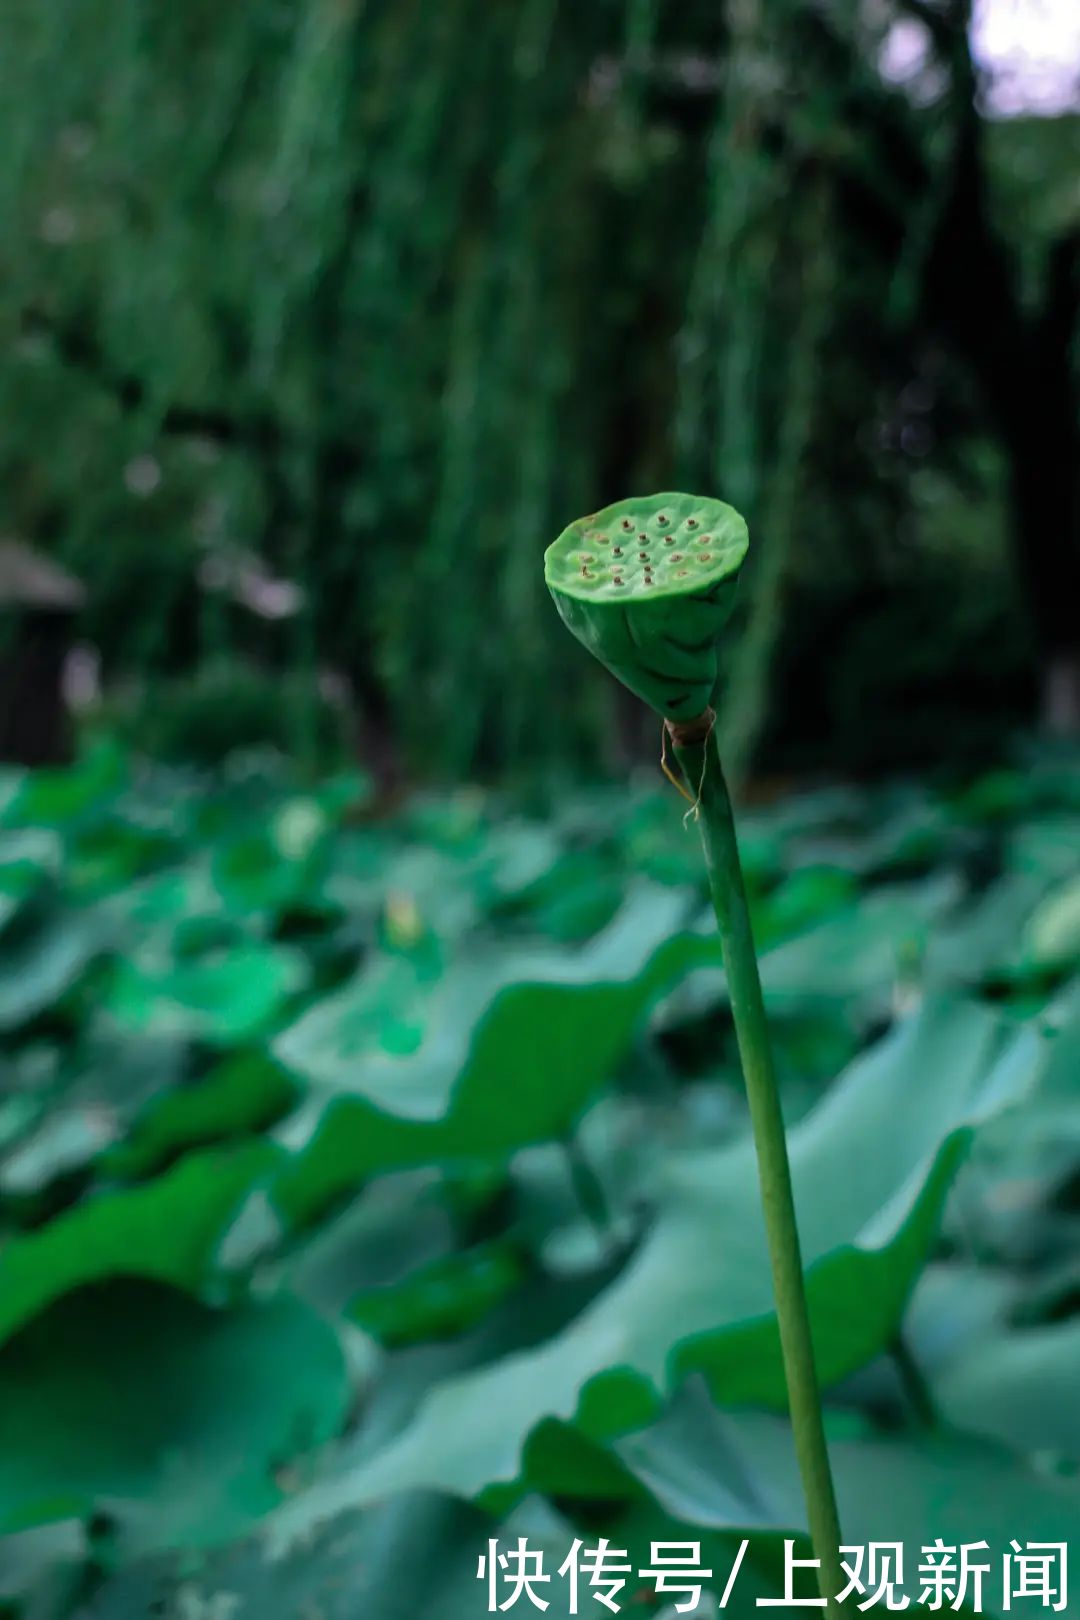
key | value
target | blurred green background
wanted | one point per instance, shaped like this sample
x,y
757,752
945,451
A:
x,y
374,1177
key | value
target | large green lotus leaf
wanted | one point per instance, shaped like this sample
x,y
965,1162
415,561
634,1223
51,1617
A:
x,y
1044,848
955,1302
226,997
182,1423
1028,921
517,855
167,1231
27,1075
447,887
68,796
1064,1059
273,868
984,936
161,903
860,954
41,1568
871,1165
512,1050
453,887
579,1204
244,1093
649,836
851,965
1023,1156
380,1016
29,856
482,1008
415,1555
517,869
100,1083
1001,796
891,833
808,896
576,896
1012,1214
12,783
402,1378
907,1488
1052,935
441,1299
44,950
63,1143
1019,1387
112,854
399,1226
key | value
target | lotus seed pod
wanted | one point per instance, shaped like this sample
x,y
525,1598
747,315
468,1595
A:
x,y
647,585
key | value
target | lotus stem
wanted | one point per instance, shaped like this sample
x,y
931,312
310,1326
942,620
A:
x,y
647,585
700,761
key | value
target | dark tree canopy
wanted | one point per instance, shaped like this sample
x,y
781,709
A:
x,y
321,321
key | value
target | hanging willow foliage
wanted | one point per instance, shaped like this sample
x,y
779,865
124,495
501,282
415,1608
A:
x,y
322,317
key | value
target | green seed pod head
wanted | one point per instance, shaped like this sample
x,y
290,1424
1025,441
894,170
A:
x,y
646,585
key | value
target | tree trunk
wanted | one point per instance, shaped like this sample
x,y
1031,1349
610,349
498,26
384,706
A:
x,y
1046,551
1042,435
35,727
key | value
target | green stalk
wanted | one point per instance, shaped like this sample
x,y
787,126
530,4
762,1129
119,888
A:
x,y
646,584
700,761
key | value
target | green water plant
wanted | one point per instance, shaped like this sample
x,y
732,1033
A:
x,y
647,585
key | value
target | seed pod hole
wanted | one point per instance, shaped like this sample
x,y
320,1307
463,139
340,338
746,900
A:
x,y
616,551
626,524
663,520
691,523
706,556
677,557
643,555
669,540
